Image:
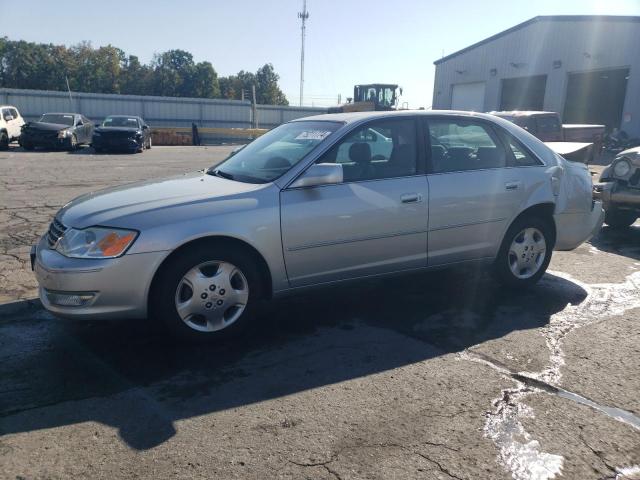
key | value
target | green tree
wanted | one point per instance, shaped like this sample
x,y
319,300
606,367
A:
x,y
109,70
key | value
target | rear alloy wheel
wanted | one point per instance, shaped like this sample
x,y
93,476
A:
x,y
620,218
525,252
205,296
4,141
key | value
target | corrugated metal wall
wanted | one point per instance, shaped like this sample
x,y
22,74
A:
x,y
157,111
555,48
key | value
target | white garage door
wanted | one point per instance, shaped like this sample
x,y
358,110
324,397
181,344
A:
x,y
468,96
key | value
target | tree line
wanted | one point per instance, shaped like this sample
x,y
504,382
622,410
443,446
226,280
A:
x,y
109,69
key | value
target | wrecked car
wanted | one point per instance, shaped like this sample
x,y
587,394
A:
x,y
57,131
619,189
122,132
315,202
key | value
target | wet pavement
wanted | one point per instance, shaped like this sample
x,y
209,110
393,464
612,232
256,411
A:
x,y
441,375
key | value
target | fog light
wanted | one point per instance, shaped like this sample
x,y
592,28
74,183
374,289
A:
x,y
63,299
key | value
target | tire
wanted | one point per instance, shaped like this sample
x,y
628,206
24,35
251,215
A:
x,y
149,143
192,282
526,248
4,141
28,146
620,218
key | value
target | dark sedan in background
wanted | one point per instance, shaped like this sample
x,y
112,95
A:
x,y
122,132
57,130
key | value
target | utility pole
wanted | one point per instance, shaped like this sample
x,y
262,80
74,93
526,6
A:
x,y
303,16
254,107
69,90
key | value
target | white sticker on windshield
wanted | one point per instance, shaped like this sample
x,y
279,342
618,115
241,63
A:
x,y
313,135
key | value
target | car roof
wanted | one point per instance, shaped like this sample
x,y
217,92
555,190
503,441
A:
x,y
60,113
122,116
522,113
352,117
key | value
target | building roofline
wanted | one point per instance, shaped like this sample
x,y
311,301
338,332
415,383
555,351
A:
x,y
540,18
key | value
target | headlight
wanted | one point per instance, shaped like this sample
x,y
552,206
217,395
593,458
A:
x,y
63,133
95,242
621,168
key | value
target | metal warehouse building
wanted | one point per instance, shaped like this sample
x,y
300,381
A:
x,y
587,68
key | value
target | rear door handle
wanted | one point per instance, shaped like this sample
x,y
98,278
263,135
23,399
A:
x,y
411,198
512,185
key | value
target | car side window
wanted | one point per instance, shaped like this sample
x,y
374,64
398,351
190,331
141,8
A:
x,y
521,156
14,113
377,150
460,145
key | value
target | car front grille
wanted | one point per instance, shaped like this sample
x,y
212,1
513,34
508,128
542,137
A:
x,y
56,230
118,135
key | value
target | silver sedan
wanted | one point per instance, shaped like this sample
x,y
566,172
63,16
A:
x,y
320,200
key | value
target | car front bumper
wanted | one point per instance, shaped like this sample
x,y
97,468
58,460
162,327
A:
x,y
116,143
613,194
45,141
116,287
575,228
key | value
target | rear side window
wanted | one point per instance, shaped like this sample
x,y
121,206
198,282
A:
x,y
520,155
461,145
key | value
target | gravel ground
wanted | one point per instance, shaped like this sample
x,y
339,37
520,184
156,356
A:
x,y
442,375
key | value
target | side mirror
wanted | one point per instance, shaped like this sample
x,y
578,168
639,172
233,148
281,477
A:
x,y
320,174
145,127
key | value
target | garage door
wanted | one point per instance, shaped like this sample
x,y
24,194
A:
x,y
468,96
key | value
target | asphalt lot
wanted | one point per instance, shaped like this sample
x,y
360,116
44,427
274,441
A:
x,y
442,375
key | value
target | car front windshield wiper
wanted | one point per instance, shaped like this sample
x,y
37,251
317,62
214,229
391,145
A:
x,y
219,173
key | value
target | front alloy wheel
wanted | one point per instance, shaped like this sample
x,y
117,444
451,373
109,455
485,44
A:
x,y
211,291
212,296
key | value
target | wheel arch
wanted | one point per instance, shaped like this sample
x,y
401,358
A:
x,y
216,241
544,210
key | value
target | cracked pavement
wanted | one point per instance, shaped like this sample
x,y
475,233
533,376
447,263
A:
x,y
438,376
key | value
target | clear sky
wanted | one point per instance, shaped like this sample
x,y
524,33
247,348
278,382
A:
x,y
348,41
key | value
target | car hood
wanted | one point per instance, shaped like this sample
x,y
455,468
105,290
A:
x,y
116,129
123,206
49,127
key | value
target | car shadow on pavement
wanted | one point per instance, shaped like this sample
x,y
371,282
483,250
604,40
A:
x,y
127,375
622,241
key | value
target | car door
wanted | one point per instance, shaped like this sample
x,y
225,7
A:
x,y
473,192
374,222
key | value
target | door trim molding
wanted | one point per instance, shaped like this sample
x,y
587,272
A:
x,y
355,239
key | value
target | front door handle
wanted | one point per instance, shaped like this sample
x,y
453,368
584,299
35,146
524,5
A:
x,y
411,198
512,185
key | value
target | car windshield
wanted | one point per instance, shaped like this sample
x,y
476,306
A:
x,y
58,118
274,153
120,122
